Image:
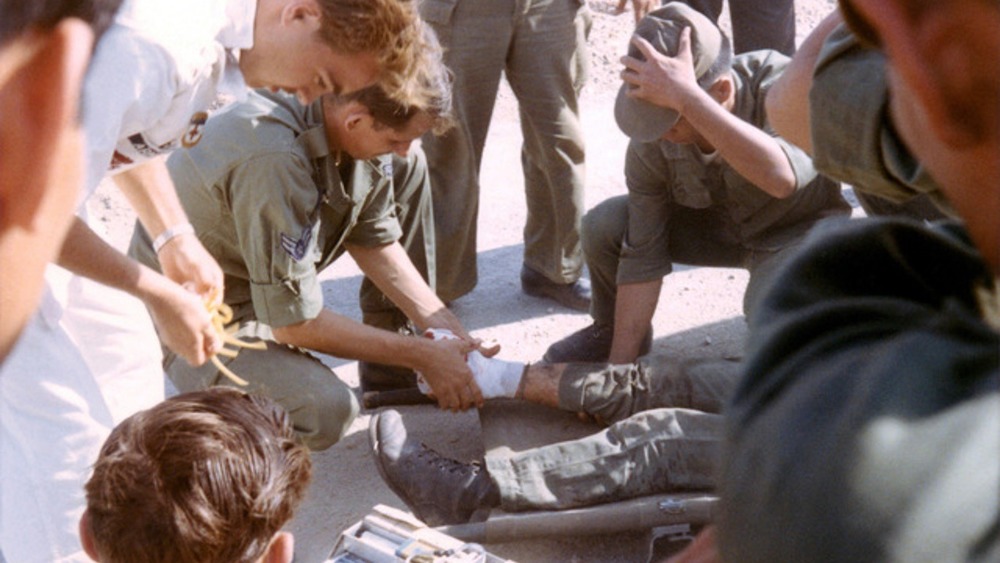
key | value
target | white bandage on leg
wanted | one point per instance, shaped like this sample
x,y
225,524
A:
x,y
495,378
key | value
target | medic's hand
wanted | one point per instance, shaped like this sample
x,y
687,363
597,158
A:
x,y
182,321
185,261
448,374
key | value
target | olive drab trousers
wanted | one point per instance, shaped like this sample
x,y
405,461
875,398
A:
x,y
540,46
665,435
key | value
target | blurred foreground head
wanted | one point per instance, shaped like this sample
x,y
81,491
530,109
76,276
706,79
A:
x,y
945,97
45,47
202,477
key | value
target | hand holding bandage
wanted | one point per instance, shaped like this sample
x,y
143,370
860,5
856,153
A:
x,y
495,378
222,314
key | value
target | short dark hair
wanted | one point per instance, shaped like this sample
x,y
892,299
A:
x,y
201,477
18,16
386,112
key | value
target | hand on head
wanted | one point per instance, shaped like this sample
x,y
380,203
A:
x,y
661,79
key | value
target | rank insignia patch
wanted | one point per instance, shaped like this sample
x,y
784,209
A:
x,y
296,248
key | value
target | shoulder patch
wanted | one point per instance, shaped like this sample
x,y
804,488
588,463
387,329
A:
x,y
296,247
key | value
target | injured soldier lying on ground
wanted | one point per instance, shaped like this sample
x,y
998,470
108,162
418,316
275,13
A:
x,y
664,435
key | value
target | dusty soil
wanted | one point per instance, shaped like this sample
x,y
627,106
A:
x,y
699,312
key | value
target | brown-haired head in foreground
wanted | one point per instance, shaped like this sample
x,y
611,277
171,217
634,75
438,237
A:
x,y
430,77
202,477
391,30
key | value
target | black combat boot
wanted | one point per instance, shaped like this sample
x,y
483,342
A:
x,y
437,489
574,295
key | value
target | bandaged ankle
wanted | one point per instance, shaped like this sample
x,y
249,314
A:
x,y
496,378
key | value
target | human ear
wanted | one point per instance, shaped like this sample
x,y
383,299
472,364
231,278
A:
x,y
355,118
960,49
39,102
87,536
721,90
299,11
281,549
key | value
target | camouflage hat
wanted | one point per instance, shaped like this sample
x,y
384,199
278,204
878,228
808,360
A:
x,y
643,121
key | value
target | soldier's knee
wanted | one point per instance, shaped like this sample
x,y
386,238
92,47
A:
x,y
604,226
327,418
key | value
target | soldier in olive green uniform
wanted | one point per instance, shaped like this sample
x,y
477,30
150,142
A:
x,y
708,184
277,191
665,426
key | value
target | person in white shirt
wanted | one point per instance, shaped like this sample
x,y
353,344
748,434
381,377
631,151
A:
x,y
45,49
83,364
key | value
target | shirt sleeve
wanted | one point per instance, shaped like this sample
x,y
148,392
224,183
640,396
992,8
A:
x,y
274,202
644,255
854,140
128,87
378,223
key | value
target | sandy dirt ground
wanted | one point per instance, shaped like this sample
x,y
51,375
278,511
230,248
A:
x,y
699,312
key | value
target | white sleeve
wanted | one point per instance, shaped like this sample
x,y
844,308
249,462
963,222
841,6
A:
x,y
129,86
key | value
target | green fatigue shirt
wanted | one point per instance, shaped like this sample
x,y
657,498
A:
x,y
853,137
866,423
270,203
661,175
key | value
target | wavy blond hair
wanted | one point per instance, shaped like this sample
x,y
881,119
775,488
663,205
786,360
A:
x,y
389,29
431,86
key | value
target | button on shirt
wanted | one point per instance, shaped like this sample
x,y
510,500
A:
x,y
270,203
156,73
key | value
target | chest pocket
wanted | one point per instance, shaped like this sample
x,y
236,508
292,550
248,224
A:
x,y
691,184
333,205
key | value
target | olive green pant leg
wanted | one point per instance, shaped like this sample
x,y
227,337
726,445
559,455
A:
x,y
540,44
652,452
604,229
320,405
697,237
615,392
665,436
545,72
475,36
